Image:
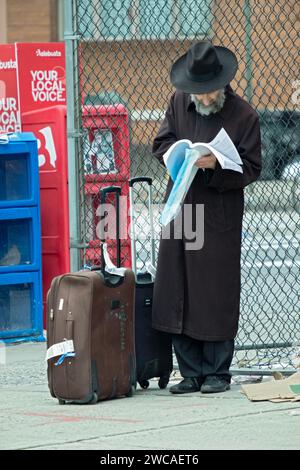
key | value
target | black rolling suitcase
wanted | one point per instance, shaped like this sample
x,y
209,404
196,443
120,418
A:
x,y
153,348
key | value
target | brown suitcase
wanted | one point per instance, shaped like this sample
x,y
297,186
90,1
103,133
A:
x,y
95,310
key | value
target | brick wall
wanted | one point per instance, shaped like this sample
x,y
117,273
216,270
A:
x,y
274,46
3,20
31,20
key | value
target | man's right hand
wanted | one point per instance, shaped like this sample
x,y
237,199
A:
x,y
207,161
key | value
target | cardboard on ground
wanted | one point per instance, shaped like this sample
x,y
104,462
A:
x,y
276,391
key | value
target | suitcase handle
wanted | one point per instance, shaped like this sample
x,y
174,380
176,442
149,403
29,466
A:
x,y
103,194
132,181
107,190
70,326
140,179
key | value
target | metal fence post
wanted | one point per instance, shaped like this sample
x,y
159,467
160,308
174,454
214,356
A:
x,y
73,167
247,14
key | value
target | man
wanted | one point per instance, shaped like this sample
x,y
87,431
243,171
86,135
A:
x,y
197,292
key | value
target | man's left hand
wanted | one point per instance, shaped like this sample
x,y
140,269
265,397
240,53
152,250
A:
x,y
207,161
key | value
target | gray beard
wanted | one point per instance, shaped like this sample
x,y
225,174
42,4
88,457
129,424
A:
x,y
212,108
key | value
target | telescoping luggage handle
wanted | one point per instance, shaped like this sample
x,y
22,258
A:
x,y
132,182
103,194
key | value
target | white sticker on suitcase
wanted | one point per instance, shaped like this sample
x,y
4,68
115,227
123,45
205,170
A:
x,y
59,349
151,269
109,265
61,304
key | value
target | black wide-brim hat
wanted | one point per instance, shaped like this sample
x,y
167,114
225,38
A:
x,y
204,68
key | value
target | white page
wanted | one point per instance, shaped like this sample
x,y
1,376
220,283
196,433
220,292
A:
x,y
225,162
223,144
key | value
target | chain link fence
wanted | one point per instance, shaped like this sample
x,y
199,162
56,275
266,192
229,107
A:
x,y
125,50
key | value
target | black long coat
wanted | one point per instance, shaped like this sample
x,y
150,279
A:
x,y
197,292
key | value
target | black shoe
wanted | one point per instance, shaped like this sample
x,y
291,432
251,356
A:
x,y
215,384
187,385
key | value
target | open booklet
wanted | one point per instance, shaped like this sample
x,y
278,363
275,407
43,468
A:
x,y
180,162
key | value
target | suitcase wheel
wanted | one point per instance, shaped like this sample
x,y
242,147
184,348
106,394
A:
x,y
94,400
144,384
131,391
61,402
163,381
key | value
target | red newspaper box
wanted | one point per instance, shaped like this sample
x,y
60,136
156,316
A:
x,y
49,127
106,163
41,75
9,102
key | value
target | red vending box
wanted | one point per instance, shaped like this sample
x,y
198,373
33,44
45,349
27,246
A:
x,y
50,128
41,75
9,103
106,163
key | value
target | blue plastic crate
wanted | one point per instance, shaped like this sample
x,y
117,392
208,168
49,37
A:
x,y
21,316
20,240
19,170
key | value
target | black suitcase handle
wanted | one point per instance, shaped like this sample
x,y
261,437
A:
x,y
108,190
103,194
140,179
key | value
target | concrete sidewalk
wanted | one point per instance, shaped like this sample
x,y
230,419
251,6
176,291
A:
x,y
152,419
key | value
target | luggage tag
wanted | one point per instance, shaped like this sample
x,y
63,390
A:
x,y
151,269
63,357
64,348
110,268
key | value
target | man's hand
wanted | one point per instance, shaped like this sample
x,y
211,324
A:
x,y
207,161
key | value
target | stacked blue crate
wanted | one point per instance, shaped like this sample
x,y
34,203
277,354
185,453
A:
x,y
21,303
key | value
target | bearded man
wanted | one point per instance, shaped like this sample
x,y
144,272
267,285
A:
x,y
197,292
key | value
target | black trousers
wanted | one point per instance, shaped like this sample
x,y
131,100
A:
x,y
202,358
